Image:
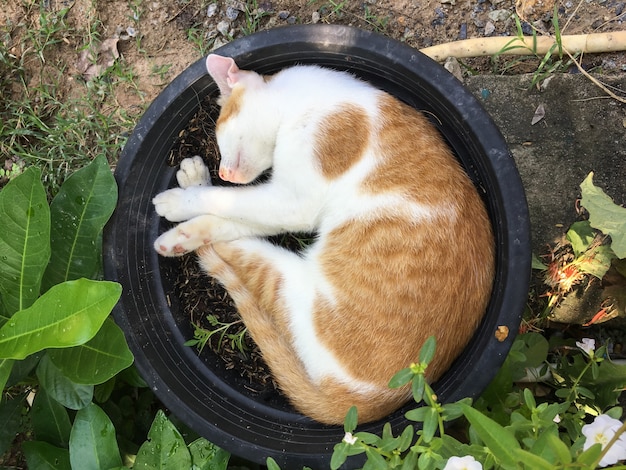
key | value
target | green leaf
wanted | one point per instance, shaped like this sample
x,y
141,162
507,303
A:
x,y
44,456
537,264
431,423
351,420
406,438
93,445
62,389
605,215
271,464
207,456
11,418
590,456
428,350
69,314
6,365
50,420
78,214
529,399
501,443
340,454
580,235
375,460
401,378
532,461
24,240
96,361
165,448
417,414
418,385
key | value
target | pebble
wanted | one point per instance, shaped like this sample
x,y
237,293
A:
x,y
499,15
440,17
283,15
463,31
211,10
232,13
223,27
489,28
315,17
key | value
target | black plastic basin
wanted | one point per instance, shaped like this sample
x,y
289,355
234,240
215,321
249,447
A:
x,y
202,393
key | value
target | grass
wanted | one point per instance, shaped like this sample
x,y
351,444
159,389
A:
x,y
43,121
553,61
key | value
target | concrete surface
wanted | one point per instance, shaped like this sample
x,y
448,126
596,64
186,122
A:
x,y
582,131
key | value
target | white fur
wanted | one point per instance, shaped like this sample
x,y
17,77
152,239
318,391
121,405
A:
x,y
277,127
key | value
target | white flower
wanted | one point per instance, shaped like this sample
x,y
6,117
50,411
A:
x,y
601,431
349,439
557,419
588,345
463,463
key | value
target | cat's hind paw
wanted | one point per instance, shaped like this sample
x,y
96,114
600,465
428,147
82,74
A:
x,y
178,241
193,172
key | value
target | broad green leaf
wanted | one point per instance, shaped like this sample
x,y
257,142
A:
x,y
50,420
580,235
24,240
93,445
62,389
78,214
6,365
501,443
67,315
165,448
605,215
102,392
23,369
43,456
97,360
207,456
11,418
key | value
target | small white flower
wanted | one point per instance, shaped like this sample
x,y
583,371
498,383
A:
x,y
601,431
557,419
349,439
463,463
588,345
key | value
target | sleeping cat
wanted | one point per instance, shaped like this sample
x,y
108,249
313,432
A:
x,y
404,248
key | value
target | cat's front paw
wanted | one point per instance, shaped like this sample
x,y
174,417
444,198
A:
x,y
177,204
193,172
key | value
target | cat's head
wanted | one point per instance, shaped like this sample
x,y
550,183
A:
x,y
244,133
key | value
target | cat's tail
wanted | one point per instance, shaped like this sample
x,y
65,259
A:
x,y
327,401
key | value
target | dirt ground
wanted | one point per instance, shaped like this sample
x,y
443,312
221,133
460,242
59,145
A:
x,y
157,39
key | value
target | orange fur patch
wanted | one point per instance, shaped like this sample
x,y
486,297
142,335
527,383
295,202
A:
x,y
415,160
230,106
341,140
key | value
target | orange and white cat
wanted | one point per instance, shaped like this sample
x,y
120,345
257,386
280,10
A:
x,y
404,247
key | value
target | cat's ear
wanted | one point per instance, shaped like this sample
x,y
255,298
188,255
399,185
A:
x,y
224,71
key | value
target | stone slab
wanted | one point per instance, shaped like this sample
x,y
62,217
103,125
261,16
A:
x,y
582,131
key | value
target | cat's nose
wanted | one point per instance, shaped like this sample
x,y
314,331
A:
x,y
225,173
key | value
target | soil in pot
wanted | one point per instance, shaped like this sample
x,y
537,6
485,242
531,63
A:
x,y
204,303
